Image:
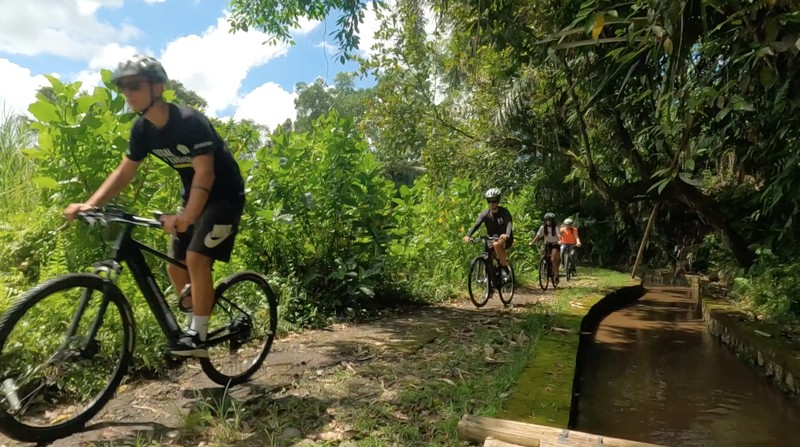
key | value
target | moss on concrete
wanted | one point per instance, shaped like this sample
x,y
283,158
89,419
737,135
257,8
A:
x,y
543,392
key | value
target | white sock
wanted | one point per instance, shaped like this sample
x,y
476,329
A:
x,y
200,325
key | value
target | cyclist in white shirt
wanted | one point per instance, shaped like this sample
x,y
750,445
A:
x,y
549,232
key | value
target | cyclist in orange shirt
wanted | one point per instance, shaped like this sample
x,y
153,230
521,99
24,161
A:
x,y
569,239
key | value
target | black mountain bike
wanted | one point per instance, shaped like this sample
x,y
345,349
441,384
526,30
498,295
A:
x,y
66,344
567,260
485,275
546,268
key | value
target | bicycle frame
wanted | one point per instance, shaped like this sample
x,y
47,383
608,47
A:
x,y
131,251
490,255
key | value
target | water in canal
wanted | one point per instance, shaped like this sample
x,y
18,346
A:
x,y
655,374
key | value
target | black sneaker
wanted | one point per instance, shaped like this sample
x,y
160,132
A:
x,y
190,345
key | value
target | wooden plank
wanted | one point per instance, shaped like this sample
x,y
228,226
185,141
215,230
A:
x,y
491,442
477,429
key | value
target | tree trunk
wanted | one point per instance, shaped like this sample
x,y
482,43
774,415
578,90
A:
x,y
710,212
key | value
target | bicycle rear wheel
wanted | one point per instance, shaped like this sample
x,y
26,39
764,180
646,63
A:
x,y
55,375
241,329
544,277
478,282
507,289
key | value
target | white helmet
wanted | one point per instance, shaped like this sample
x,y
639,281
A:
x,y
493,194
568,221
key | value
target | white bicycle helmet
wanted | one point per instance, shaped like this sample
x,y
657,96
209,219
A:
x,y
493,194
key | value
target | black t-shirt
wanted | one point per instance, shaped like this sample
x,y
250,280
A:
x,y
496,223
187,134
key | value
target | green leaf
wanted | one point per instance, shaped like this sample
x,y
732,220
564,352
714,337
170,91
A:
x,y
58,86
367,291
84,102
668,45
743,105
711,92
766,76
722,114
266,214
45,182
44,111
687,177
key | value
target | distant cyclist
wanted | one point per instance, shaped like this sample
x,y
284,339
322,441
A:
x,y
498,224
549,232
569,239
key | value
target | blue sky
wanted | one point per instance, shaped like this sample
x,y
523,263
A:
x,y
235,73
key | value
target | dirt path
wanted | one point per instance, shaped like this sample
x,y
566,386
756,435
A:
x,y
294,368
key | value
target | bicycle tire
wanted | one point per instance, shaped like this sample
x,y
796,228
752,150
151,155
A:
x,y
18,430
567,265
474,272
211,370
544,276
505,295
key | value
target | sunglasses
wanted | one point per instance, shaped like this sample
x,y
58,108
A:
x,y
492,201
130,86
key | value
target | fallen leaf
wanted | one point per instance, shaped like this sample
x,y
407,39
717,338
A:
x,y
446,380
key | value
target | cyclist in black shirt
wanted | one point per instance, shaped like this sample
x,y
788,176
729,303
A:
x,y
213,189
498,223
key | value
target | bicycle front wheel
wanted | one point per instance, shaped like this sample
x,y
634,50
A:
x,y
64,348
567,265
478,282
543,274
507,289
241,329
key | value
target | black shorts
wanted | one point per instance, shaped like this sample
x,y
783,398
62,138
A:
x,y
213,233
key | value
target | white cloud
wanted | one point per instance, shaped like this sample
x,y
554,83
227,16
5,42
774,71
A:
x,y
373,21
66,28
306,26
330,49
108,57
154,1
370,25
268,104
215,63
89,7
18,89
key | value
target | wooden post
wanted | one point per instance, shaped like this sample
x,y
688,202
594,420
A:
x,y
477,430
646,236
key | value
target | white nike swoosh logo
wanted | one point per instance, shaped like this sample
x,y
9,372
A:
x,y
218,234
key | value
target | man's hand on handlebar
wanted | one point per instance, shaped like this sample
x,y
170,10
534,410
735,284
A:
x,y
72,210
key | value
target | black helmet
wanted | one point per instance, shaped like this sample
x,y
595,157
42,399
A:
x,y
141,65
492,194
550,216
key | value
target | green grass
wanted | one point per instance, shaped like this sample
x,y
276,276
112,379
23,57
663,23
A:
x,y
543,392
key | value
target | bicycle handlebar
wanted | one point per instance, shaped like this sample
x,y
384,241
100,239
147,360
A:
x,y
483,238
107,215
